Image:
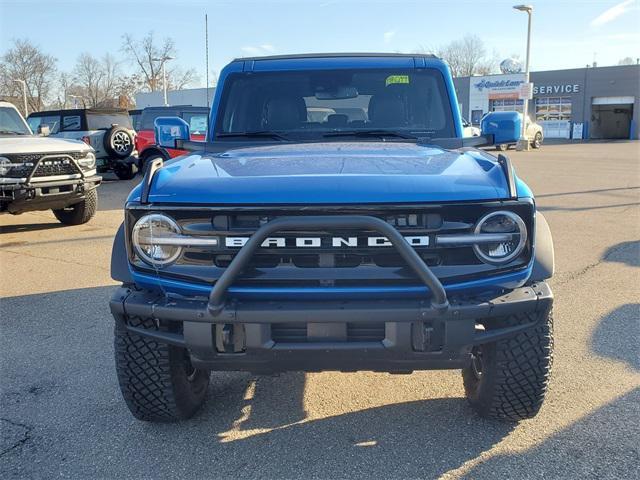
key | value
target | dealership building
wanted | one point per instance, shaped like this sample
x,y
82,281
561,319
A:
x,y
581,103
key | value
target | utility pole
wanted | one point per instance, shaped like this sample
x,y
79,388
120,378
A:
x,y
24,95
523,143
164,61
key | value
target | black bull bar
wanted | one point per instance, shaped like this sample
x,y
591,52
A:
x,y
216,304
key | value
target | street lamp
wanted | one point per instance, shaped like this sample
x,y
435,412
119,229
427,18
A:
x,y
164,60
523,143
75,100
24,94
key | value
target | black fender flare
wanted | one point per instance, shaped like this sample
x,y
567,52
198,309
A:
x,y
151,151
544,258
120,258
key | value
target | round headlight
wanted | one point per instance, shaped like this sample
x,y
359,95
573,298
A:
x,y
4,165
146,238
88,162
501,252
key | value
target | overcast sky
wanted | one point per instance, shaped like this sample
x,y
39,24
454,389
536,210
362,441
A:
x,y
566,34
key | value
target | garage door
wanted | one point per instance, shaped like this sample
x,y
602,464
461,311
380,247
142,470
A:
x,y
611,117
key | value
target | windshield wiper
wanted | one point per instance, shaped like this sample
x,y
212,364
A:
x,y
252,134
11,132
369,133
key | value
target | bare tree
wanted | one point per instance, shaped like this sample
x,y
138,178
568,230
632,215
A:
x,y
97,80
149,56
466,57
26,62
627,61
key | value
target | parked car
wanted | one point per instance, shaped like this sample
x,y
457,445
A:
x,y
146,146
108,130
469,130
533,132
44,173
284,243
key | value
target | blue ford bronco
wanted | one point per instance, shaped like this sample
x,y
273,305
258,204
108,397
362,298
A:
x,y
334,219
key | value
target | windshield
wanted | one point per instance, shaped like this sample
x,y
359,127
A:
x,y
308,104
97,121
11,123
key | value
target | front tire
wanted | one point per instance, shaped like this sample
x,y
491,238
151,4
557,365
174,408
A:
x,y
537,140
125,171
79,213
502,147
508,379
157,380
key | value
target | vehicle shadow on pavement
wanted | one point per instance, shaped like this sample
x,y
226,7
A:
x,y
400,440
603,444
30,227
625,252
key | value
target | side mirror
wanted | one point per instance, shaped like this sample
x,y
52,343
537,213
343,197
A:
x,y
504,126
170,129
44,130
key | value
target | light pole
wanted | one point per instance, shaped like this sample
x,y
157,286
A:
x,y
24,94
75,100
523,143
164,61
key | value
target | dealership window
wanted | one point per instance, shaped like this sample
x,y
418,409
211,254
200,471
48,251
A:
x,y
553,108
505,105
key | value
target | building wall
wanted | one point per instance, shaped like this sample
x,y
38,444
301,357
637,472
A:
x,y
190,96
461,85
577,86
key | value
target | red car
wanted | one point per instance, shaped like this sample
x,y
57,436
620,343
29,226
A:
x,y
196,117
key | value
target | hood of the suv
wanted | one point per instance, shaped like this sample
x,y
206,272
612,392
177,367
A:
x,y
32,144
330,173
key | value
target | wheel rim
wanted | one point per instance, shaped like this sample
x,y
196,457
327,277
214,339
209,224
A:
x,y
121,142
476,362
537,140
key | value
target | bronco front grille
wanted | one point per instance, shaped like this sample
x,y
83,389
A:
x,y
324,264
56,164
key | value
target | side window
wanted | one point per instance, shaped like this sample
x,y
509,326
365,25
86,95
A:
x,y
197,122
52,121
71,122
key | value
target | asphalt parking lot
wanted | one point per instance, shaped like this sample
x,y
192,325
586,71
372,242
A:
x,y
62,414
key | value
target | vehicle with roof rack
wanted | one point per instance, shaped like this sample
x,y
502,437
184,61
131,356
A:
x,y
334,219
42,173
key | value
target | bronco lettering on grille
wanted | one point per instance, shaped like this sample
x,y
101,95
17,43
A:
x,y
334,242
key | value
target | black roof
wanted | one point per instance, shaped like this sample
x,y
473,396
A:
x,y
175,107
334,55
79,111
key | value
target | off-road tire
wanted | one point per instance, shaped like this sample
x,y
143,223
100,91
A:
x,y
118,142
515,372
537,140
157,380
125,171
81,212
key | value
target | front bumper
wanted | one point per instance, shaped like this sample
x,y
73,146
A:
x,y
27,196
417,336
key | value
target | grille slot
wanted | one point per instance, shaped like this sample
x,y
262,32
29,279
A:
x,y
356,332
56,166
